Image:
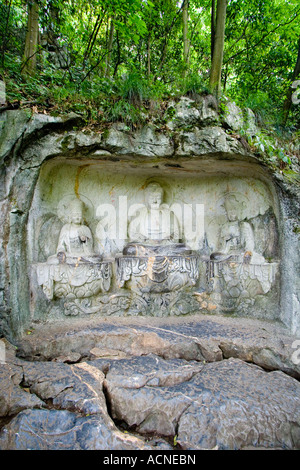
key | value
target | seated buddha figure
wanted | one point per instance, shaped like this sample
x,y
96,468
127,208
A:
x,y
155,260
75,243
156,229
236,236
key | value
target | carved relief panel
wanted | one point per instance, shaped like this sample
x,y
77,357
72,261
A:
x,y
107,243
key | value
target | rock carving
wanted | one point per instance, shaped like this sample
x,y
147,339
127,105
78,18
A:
x,y
157,273
75,271
238,272
155,260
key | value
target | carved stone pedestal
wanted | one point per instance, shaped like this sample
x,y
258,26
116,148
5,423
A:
x,y
74,281
237,286
158,274
131,304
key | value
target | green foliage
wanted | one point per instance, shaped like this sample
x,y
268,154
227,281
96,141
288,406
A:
x,y
119,59
263,106
268,145
260,54
193,86
134,89
122,111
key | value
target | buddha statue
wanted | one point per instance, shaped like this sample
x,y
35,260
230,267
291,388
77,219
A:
x,y
155,260
156,229
75,272
236,236
75,242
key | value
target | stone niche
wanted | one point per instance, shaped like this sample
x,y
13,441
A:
x,y
134,238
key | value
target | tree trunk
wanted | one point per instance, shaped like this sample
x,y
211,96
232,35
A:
x,y
185,14
212,29
92,38
217,60
288,100
109,47
31,40
118,61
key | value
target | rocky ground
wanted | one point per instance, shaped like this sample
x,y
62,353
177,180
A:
x,y
201,382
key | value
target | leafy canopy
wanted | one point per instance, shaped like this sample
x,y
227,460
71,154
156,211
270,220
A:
x,y
109,58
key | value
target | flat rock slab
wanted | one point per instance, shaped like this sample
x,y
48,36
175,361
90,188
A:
x,y
200,337
64,430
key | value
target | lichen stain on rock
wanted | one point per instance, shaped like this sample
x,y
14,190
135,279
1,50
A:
x,y
77,178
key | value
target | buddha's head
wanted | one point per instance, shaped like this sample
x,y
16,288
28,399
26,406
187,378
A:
x,y
232,207
76,212
154,195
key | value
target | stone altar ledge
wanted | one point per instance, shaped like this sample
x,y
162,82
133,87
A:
x,y
198,337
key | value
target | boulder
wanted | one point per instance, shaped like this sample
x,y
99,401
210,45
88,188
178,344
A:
x,y
64,430
14,397
56,406
232,116
187,113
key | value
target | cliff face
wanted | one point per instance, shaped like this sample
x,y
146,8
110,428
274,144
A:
x,y
199,158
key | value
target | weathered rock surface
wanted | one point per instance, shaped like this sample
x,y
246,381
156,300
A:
x,y
14,398
206,141
140,387
64,430
55,406
196,338
136,383
186,112
145,142
229,404
233,116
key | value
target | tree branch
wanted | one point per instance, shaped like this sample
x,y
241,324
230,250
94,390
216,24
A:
x,y
266,35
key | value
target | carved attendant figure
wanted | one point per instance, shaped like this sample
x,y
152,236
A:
x,y
75,239
240,273
75,272
236,236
